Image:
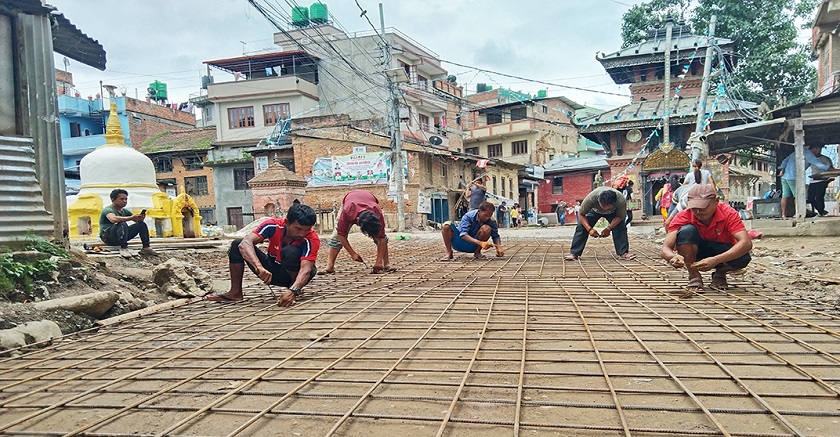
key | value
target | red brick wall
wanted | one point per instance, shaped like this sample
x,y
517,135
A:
x,y
147,121
575,187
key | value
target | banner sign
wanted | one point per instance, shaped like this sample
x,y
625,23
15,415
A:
x,y
355,169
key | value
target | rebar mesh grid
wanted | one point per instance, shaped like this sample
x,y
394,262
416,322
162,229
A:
x,y
528,343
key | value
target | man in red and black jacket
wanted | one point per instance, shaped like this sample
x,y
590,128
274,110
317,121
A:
x,y
290,262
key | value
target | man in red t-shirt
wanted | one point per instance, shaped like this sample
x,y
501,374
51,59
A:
x,y
360,207
707,235
292,250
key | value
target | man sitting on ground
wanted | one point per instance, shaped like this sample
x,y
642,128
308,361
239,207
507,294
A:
x,y
290,262
360,207
114,229
473,233
610,204
707,235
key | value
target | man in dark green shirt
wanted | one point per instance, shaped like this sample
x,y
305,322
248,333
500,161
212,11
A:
x,y
612,205
114,229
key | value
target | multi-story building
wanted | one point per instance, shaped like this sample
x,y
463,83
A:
x,y
522,129
325,92
825,46
179,158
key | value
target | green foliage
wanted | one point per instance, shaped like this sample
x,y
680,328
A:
x,y
17,278
154,138
772,66
40,244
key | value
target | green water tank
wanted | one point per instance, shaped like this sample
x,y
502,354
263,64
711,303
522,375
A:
x,y
489,88
541,94
318,13
300,16
160,90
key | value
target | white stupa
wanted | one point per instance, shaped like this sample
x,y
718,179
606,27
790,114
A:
x,y
112,165
116,165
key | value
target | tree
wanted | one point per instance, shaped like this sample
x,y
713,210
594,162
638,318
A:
x,y
646,16
772,66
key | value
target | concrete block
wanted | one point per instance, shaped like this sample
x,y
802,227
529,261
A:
x,y
43,330
93,304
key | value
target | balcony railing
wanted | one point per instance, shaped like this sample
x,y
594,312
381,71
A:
x,y
82,144
501,128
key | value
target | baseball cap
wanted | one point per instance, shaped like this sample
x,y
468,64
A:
x,y
504,203
700,195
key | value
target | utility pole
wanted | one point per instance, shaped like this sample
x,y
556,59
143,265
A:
x,y
666,118
394,124
698,147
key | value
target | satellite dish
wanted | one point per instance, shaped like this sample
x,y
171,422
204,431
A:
x,y
634,135
436,140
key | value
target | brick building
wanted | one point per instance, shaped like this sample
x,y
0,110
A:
x,y
632,135
570,180
179,158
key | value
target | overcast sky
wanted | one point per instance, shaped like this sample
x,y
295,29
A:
x,y
553,41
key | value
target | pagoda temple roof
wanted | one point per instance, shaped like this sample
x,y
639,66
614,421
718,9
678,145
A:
x,y
275,175
648,113
685,46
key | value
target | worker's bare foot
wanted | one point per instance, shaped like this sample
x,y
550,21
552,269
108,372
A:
x,y
479,256
447,257
224,297
327,271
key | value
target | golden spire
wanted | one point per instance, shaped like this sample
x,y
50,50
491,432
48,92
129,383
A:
x,y
113,131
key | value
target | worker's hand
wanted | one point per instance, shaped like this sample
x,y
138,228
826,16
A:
x,y
705,265
358,258
485,244
594,233
499,251
264,275
606,232
137,218
677,261
287,298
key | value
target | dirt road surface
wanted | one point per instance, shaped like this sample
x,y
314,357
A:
x,y
527,344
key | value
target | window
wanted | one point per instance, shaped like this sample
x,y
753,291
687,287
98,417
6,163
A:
x,y
241,176
196,186
495,186
163,165
136,121
520,147
510,182
424,121
193,163
518,113
471,150
557,186
75,130
494,117
208,216
503,187
241,117
272,113
494,150
443,170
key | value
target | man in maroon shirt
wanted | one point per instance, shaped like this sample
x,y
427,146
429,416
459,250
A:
x,y
707,235
360,207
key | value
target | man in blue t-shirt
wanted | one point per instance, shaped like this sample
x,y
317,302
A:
x,y
787,170
473,233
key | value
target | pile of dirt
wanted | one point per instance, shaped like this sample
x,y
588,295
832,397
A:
x,y
130,278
